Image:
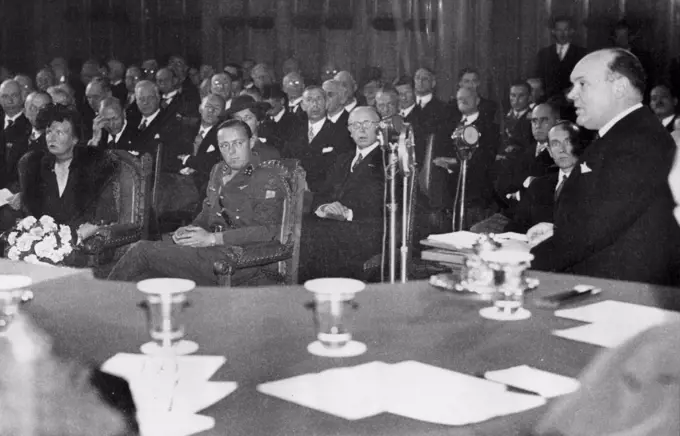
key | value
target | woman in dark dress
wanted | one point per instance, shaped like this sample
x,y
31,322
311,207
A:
x,y
69,182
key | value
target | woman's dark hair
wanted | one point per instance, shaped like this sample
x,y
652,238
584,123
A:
x,y
234,123
57,113
577,142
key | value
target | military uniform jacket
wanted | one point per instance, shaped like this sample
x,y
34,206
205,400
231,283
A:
x,y
247,208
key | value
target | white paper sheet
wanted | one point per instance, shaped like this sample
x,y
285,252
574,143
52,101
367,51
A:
x,y
462,239
618,312
544,383
409,389
607,335
173,424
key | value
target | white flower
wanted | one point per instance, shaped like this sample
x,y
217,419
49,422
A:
x,y
12,238
13,254
27,222
38,232
46,220
24,243
51,241
65,234
32,259
44,248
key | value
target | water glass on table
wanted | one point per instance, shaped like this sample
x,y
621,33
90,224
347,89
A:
x,y
509,267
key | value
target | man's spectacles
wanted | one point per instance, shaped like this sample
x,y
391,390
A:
x,y
364,125
233,145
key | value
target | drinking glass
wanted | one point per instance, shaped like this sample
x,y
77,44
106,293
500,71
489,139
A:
x,y
12,295
333,309
165,302
509,267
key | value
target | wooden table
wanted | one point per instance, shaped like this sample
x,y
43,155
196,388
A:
x,y
264,332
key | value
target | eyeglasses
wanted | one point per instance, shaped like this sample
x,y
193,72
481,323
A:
x,y
233,145
364,125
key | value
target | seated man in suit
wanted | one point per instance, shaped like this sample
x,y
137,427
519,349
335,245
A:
x,y
98,89
345,228
244,204
16,129
253,113
316,143
349,85
335,108
220,84
177,103
537,202
34,103
472,78
614,214
294,85
513,176
663,103
206,152
280,123
112,128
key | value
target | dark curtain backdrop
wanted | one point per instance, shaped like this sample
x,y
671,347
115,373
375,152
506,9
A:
x,y
500,37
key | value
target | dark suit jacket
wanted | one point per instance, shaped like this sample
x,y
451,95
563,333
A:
x,y
555,73
671,126
614,216
430,118
536,205
317,157
168,131
488,109
125,142
360,190
517,131
277,133
120,92
513,171
13,145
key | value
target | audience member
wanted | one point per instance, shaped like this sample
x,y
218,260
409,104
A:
x,y
350,87
432,111
26,85
244,204
471,78
44,79
253,114
613,218
315,142
117,79
663,103
280,122
293,85
150,68
555,62
111,127
369,90
261,76
335,108
221,85
517,124
16,131
348,207
537,92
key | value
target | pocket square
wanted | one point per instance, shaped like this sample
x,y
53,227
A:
x,y
585,169
134,153
211,148
157,136
326,150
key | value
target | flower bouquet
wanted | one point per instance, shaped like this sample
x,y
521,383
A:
x,y
39,241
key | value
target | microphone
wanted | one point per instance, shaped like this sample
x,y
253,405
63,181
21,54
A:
x,y
466,141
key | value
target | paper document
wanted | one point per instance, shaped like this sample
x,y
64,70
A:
x,y
544,383
462,239
409,389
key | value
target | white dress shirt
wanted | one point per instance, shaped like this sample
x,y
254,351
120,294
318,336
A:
x,y
334,118
119,134
604,129
669,119
364,152
293,105
169,96
406,112
422,101
561,177
13,118
278,116
316,126
351,105
466,120
149,119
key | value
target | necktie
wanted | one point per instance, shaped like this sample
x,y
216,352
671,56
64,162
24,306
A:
x,y
197,141
560,185
142,125
560,51
357,161
310,134
10,123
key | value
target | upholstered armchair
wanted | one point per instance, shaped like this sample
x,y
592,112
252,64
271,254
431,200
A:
x,y
132,193
285,251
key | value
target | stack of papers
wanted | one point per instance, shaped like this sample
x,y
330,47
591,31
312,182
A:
x,y
409,389
462,240
544,383
612,322
190,393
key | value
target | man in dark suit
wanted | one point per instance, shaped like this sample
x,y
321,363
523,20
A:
x,y
112,129
555,62
315,142
178,104
97,90
244,205
432,111
35,102
16,129
277,128
663,103
471,78
614,216
335,110
179,65
294,85
345,228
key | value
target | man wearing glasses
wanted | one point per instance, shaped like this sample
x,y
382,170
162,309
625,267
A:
x,y
244,204
345,228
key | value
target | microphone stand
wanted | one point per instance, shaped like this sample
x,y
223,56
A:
x,y
407,167
466,141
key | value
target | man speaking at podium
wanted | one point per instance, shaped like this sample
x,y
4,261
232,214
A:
x,y
613,217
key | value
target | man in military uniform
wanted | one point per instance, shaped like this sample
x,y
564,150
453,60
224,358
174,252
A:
x,y
244,204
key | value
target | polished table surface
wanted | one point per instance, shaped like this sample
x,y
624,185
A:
x,y
263,333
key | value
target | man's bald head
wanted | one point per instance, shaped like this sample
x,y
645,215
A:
x,y
10,97
363,126
543,118
349,84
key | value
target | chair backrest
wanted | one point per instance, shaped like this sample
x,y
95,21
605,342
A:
x,y
291,222
132,188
